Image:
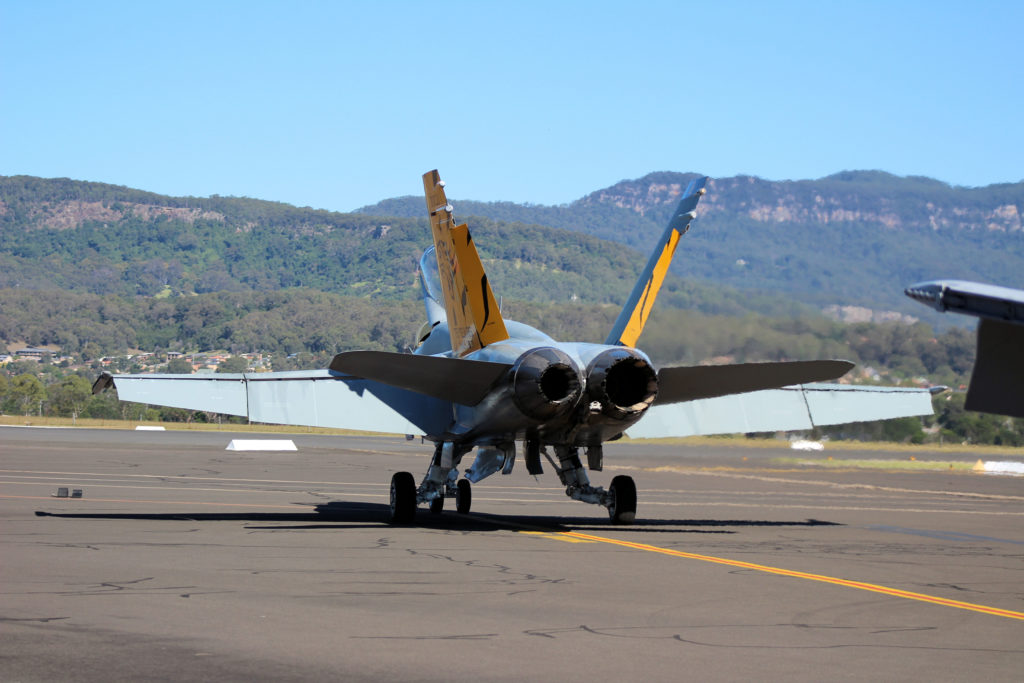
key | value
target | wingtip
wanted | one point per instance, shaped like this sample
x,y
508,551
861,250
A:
x,y
102,383
839,367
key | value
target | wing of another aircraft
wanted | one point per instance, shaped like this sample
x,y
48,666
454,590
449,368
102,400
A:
x,y
997,381
790,408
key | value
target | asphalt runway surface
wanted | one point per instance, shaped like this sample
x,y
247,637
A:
x,y
183,561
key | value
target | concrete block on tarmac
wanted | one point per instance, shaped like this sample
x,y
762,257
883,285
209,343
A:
x,y
261,445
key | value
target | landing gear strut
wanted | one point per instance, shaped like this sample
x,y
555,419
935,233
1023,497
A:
x,y
620,498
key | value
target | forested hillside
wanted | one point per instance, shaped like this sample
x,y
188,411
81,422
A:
x,y
103,239
849,239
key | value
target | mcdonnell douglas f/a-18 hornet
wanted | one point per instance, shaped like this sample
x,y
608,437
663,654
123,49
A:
x,y
478,381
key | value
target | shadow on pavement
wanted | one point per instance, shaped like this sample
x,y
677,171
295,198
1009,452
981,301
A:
x,y
345,515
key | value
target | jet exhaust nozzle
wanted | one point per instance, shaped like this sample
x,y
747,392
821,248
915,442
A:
x,y
623,383
545,383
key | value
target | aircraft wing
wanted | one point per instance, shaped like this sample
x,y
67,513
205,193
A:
x,y
789,408
314,398
997,381
971,298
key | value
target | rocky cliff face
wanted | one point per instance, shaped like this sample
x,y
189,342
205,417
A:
x,y
72,213
853,197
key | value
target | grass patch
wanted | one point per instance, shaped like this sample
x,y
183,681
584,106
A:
x,y
740,441
88,423
910,465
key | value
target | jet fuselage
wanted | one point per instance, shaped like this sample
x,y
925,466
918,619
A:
x,y
570,394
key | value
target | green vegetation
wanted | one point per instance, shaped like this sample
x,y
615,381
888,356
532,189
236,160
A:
x,y
98,270
912,465
855,238
322,324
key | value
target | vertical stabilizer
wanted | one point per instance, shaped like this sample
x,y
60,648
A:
x,y
472,311
633,317
997,381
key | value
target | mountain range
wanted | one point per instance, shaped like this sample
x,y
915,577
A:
x,y
853,239
848,242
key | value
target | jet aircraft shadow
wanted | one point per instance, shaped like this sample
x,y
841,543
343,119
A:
x,y
339,515
358,515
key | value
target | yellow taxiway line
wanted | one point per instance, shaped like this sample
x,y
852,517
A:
x,y
575,536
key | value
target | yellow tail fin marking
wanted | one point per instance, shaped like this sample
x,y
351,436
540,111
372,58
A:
x,y
490,326
473,317
643,307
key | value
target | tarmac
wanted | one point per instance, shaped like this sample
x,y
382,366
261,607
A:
x,y
184,561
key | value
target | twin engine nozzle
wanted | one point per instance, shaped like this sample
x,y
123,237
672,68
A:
x,y
547,383
622,382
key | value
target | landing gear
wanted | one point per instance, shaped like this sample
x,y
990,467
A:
x,y
620,498
463,496
403,498
442,480
622,503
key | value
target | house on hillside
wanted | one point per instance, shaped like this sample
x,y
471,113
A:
x,y
33,352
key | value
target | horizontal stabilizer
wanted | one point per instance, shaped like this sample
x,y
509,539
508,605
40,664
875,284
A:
x,y
707,381
451,379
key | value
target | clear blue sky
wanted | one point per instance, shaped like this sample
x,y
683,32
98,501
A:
x,y
340,104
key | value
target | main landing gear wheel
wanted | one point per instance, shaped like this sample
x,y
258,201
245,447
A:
x,y
403,498
463,496
623,494
437,505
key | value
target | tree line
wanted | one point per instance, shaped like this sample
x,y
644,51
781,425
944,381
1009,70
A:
x,y
297,320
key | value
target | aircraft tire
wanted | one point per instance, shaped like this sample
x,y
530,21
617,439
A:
x,y
403,498
437,505
623,494
463,496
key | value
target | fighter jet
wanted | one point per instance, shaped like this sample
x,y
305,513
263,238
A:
x,y
479,382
